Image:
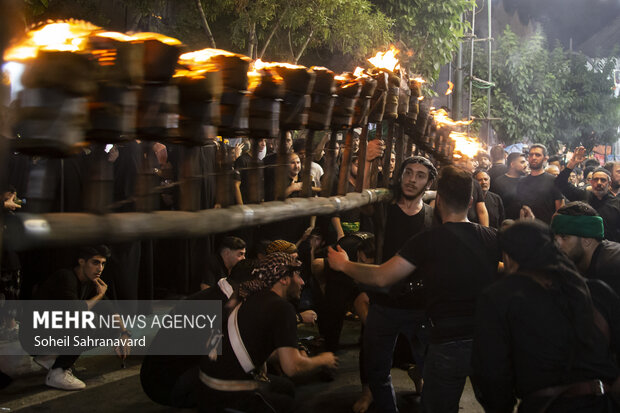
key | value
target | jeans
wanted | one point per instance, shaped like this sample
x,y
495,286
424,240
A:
x,y
446,368
382,328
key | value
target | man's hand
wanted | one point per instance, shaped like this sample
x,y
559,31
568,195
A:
x,y
10,203
101,287
374,150
308,317
578,157
328,360
337,258
526,213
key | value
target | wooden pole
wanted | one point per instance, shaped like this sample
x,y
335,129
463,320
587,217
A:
x,y
345,165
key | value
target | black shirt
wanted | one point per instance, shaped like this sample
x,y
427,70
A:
x,y
215,270
457,260
477,196
399,228
506,188
605,264
242,165
497,170
159,374
539,193
266,322
495,208
607,207
524,339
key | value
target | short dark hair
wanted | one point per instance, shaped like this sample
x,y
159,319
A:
x,y
592,162
455,188
497,153
232,243
512,157
356,242
539,145
299,145
432,173
86,253
477,171
578,208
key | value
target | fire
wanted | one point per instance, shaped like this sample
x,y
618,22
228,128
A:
x,y
140,37
359,72
420,98
255,76
200,57
465,145
441,118
259,64
65,36
450,87
195,73
386,60
419,80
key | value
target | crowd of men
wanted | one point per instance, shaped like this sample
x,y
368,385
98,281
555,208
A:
x,y
504,268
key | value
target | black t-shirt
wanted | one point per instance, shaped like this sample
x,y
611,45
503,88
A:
x,y
539,193
215,270
497,170
524,341
495,208
477,196
605,264
506,188
456,260
159,373
399,228
242,165
266,322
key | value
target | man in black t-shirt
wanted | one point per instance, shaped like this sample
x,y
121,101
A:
x,y
579,233
506,185
538,190
477,211
493,202
498,157
230,251
84,285
173,380
262,324
456,260
398,309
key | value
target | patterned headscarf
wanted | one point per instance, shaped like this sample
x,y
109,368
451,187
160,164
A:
x,y
281,245
268,271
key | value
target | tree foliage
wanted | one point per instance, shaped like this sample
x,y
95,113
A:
x,y
550,96
428,30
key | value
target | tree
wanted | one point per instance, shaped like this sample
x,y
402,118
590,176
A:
x,y
550,96
429,31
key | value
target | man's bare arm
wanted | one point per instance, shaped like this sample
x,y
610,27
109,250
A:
x,y
293,363
388,273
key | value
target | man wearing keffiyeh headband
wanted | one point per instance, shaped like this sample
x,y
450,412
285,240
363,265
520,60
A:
x,y
271,269
579,233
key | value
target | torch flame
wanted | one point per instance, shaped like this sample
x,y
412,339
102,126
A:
x,y
442,119
67,36
450,87
200,57
386,60
259,64
419,80
465,145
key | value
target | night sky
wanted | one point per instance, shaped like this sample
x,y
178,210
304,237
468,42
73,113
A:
x,y
563,19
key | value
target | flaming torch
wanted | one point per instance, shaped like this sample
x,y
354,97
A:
x,y
298,84
234,106
362,110
387,63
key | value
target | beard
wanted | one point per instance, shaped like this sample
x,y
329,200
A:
x,y
414,196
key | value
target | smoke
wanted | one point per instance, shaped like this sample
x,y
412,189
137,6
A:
x,y
566,19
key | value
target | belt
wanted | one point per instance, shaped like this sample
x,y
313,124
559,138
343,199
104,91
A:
x,y
228,385
583,388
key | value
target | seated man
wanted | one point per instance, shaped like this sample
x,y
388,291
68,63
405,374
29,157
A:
x,y
230,251
262,324
172,380
82,283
